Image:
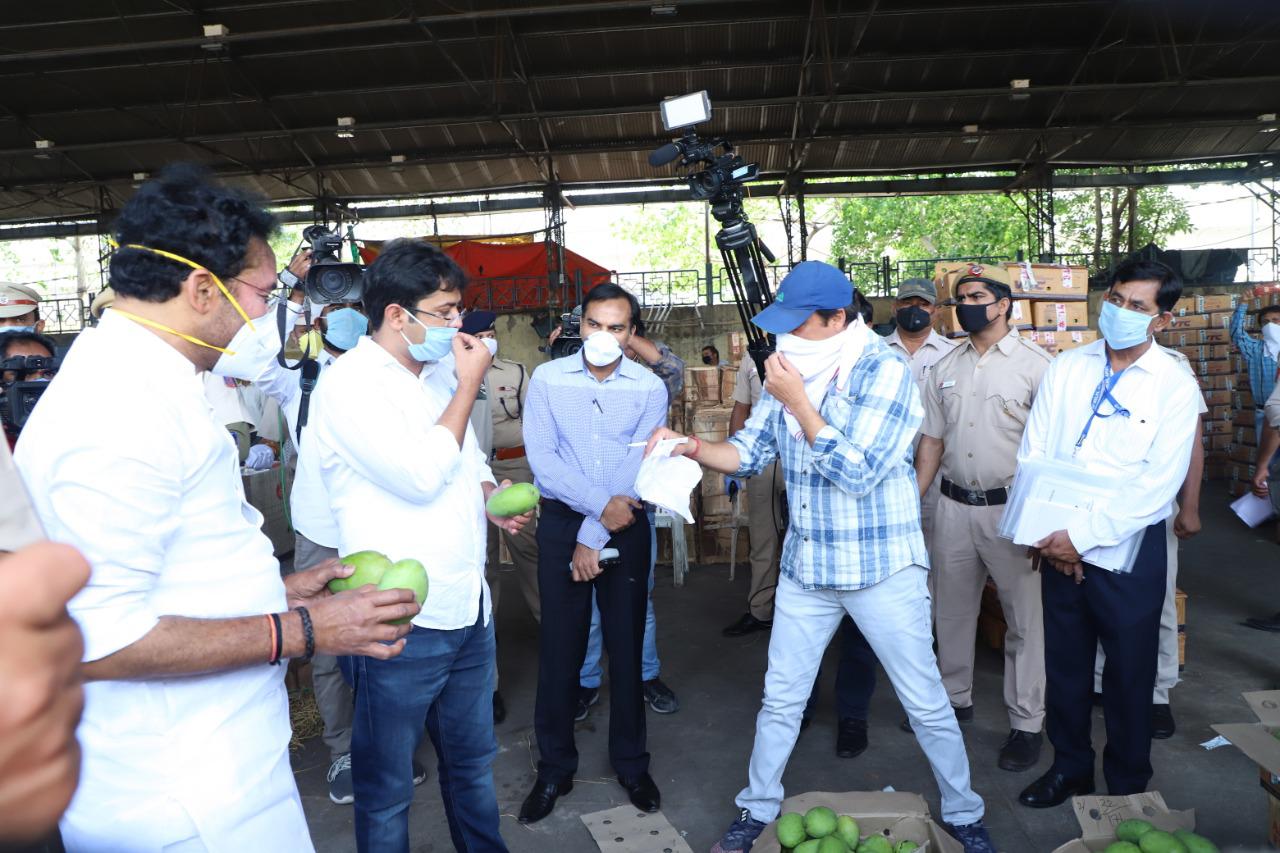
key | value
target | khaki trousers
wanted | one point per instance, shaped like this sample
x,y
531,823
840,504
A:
x,y
1167,662
523,546
764,517
966,549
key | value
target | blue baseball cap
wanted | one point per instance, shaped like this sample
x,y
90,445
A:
x,y
810,286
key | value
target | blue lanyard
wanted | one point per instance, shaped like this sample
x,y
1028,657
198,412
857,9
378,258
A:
x,y
1101,393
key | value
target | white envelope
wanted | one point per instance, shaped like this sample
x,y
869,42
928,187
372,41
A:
x,y
667,481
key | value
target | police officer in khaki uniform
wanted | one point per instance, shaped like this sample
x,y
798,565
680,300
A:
x,y
496,418
19,309
976,405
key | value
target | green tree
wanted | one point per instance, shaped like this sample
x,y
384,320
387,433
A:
x,y
666,236
1098,220
866,229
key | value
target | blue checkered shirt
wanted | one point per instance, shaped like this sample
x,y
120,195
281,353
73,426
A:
x,y
1262,367
855,508
576,432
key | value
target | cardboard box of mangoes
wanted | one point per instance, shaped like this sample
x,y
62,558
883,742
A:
x,y
1260,741
1108,821
895,816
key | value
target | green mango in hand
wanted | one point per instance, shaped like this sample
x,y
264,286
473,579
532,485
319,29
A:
x,y
369,567
516,499
406,574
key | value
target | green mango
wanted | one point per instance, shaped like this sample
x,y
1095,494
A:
x,y
819,822
368,565
875,844
1195,843
516,499
906,847
791,829
1158,841
1132,830
847,831
1122,847
810,846
832,844
406,574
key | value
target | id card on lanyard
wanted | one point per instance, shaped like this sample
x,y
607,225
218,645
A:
x,y
1102,394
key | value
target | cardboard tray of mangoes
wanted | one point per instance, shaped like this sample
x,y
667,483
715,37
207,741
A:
x,y
893,815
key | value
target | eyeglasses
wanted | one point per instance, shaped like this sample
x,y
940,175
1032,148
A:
x,y
448,318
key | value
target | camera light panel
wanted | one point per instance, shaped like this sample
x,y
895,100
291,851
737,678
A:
x,y
686,110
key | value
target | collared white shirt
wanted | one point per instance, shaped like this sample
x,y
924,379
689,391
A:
x,y
397,482
1151,448
131,467
926,355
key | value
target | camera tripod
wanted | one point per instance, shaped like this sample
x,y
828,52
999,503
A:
x,y
744,254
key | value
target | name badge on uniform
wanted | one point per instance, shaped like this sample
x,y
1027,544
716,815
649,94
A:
x,y
942,386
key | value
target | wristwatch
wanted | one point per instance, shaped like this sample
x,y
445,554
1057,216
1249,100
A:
x,y
288,279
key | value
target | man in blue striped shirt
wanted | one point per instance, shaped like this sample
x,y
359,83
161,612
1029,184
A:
x,y
582,416
1259,355
840,410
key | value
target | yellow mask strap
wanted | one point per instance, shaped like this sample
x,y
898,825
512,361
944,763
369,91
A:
x,y
153,324
171,256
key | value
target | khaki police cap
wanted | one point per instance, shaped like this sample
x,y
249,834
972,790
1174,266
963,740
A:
x,y
987,273
102,302
17,300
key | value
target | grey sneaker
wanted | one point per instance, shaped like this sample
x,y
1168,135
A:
x,y
660,697
587,696
340,789
419,772
742,833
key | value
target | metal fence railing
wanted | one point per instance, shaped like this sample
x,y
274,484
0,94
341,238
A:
x,y
63,315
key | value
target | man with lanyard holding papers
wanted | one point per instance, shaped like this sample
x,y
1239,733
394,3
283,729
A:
x,y
1123,413
840,411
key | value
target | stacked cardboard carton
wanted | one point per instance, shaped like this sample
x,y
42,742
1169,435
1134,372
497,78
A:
x,y
706,408
1050,303
1200,331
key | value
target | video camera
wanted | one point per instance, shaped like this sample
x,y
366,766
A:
x,y
569,340
719,183
331,279
19,398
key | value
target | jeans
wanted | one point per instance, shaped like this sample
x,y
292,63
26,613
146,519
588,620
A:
x,y
895,617
855,676
445,678
650,665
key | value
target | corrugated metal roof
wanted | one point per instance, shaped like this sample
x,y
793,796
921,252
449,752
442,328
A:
x,y
486,97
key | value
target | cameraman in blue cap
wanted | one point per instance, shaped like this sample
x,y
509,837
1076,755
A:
x,y
840,411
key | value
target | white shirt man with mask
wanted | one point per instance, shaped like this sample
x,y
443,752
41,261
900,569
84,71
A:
x,y
186,726
1121,406
404,475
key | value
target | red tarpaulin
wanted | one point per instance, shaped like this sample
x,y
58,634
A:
x,y
507,276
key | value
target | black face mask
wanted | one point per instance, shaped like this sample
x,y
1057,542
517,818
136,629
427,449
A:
x,y
973,318
706,359
913,318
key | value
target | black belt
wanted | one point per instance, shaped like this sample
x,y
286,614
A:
x,y
992,497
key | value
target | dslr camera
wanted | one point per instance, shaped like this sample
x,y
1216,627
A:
x,y
330,278
19,397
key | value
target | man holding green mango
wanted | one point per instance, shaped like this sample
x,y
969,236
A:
x,y
406,478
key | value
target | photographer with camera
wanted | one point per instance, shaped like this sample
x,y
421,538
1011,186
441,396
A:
x,y
27,363
583,412
185,616
405,476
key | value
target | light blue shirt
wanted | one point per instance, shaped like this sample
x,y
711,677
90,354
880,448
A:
x,y
855,508
1261,367
576,432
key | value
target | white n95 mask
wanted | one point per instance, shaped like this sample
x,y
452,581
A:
x,y
491,344
601,349
251,351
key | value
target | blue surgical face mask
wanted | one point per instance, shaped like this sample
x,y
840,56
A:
x,y
6,329
343,328
1122,328
437,344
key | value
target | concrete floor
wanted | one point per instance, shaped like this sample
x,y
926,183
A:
x,y
700,754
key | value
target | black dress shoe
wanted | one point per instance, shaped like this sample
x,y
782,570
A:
x,y
1264,623
851,738
1162,725
542,799
499,708
1054,789
748,624
1021,751
643,791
